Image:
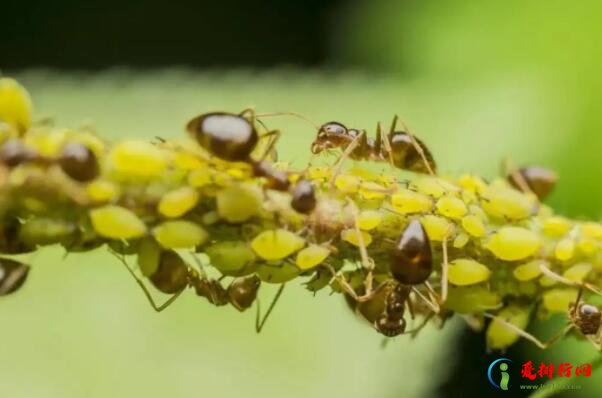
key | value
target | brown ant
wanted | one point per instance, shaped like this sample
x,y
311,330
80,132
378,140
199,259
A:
x,y
400,148
583,317
233,137
174,275
538,180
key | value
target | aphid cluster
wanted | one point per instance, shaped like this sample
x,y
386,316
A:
x,y
211,214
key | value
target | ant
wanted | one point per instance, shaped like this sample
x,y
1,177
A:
x,y
535,179
233,137
400,148
12,276
583,317
174,275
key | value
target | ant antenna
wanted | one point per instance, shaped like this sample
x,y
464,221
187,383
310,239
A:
x,y
294,114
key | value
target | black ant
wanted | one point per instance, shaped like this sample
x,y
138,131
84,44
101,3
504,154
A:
x,y
12,276
535,179
173,275
233,137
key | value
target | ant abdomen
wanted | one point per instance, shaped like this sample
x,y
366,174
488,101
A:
x,y
228,136
411,260
406,156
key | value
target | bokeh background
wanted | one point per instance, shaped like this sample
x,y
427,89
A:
x,y
478,81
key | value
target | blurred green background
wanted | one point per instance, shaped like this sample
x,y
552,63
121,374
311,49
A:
x,y
477,81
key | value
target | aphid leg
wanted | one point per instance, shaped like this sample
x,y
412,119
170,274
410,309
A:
x,y
339,163
259,321
416,146
528,336
444,272
553,275
149,297
367,262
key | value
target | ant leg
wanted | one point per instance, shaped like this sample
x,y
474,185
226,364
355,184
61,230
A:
x,y
434,307
386,143
416,146
444,272
553,275
528,336
273,136
157,308
414,332
260,322
509,169
367,262
339,163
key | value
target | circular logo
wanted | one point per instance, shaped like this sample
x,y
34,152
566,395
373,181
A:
x,y
504,376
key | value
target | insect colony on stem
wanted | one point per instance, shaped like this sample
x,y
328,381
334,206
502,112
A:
x,y
413,250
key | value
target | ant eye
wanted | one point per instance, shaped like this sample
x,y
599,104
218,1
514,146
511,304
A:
x,y
587,309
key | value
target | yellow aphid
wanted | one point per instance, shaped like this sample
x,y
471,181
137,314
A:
x,y
505,202
149,255
514,243
474,225
200,178
461,240
437,228
187,161
15,104
311,256
364,174
500,336
558,300
317,173
587,246
371,190
137,158
472,299
472,183
592,230
528,271
102,191
369,219
546,281
230,256
451,207
116,222
432,186
347,183
556,226
276,244
179,234
210,218
351,236
565,249
47,143
177,202
465,271
578,272
238,203
405,201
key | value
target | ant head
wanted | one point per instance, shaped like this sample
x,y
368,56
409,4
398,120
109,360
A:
x,y
328,134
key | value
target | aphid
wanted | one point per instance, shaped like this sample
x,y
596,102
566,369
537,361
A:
x,y
539,180
400,148
79,162
12,276
411,259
